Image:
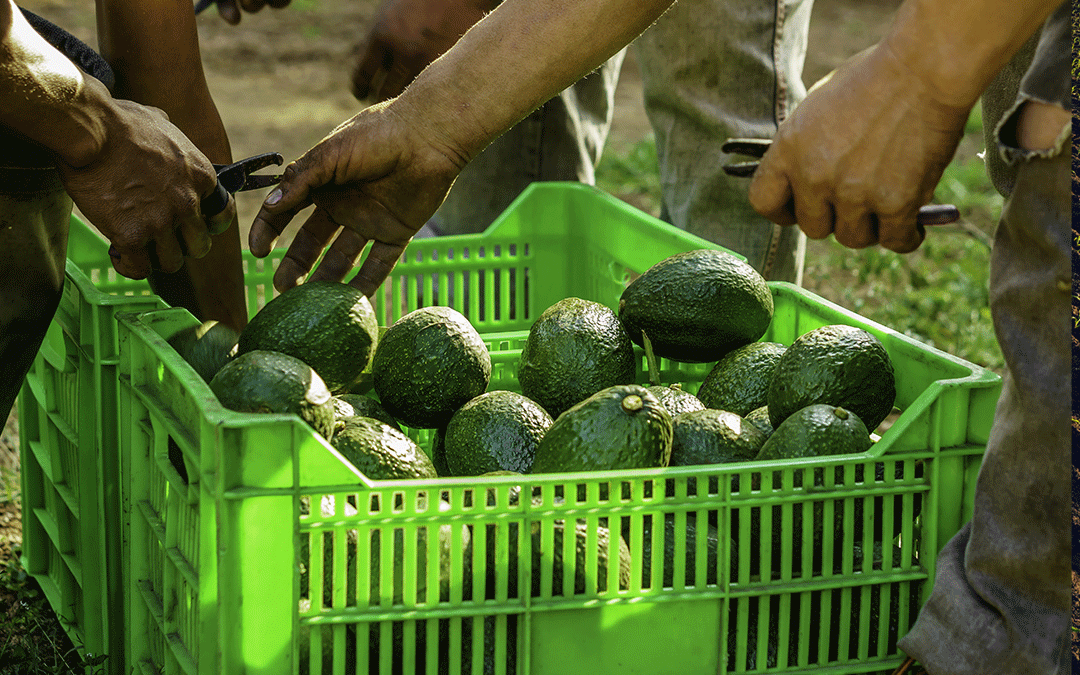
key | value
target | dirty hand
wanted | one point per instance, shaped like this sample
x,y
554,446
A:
x,y
230,9
405,37
860,155
378,177
142,192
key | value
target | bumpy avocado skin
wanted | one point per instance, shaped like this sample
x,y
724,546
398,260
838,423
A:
x,y
697,306
712,436
270,382
574,349
328,325
817,430
496,431
739,382
621,427
207,347
676,399
360,405
837,365
428,364
381,452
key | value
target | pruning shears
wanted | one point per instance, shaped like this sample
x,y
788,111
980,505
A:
x,y
931,214
236,177
233,178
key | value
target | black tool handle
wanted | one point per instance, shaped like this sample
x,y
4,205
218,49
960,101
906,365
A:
x,y
215,202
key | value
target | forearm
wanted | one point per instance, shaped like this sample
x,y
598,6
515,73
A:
x,y
47,98
515,59
957,46
153,48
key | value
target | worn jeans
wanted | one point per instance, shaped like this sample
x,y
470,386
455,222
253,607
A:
x,y
711,70
1001,600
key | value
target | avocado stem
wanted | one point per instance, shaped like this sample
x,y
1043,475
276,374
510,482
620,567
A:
x,y
650,360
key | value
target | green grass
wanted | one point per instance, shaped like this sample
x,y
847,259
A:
x,y
937,294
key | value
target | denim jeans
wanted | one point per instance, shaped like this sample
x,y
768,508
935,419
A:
x,y
1001,598
711,70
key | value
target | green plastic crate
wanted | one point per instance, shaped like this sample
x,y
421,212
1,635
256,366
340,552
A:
x,y
68,438
69,442
232,569
211,529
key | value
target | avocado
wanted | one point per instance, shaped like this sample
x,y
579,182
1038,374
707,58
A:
x,y
587,578
359,405
381,452
574,349
621,427
270,382
428,364
675,399
739,382
697,306
712,436
438,452
328,325
837,365
206,347
759,417
496,431
817,430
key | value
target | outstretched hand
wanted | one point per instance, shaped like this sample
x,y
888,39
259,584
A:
x,y
374,178
860,155
143,191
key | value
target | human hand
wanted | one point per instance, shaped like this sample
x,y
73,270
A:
x,y
405,37
143,190
377,177
230,9
860,155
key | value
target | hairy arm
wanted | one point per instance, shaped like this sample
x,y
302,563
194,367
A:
x,y
132,173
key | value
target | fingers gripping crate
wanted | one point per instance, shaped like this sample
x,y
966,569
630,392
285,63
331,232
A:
x,y
68,439
254,547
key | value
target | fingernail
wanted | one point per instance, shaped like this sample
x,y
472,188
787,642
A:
x,y
274,197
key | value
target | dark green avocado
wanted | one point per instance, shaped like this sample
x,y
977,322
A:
x,y
836,365
496,431
697,306
270,382
428,364
574,349
621,427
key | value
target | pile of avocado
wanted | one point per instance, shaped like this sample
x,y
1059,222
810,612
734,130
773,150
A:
x,y
585,401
